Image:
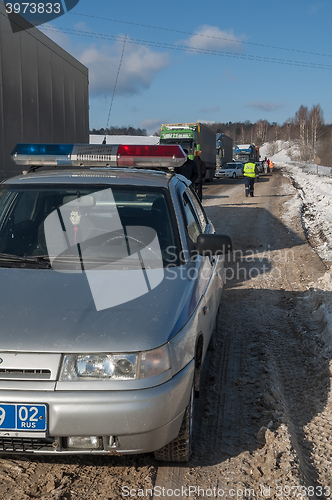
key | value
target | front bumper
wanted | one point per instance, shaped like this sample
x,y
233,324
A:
x,y
136,421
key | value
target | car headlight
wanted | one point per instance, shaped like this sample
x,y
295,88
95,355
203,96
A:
x,y
128,366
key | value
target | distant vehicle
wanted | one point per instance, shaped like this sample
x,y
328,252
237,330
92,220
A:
x,y
246,152
232,169
224,150
194,137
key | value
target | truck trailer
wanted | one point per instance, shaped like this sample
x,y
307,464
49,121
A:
x,y
246,152
224,149
43,92
193,137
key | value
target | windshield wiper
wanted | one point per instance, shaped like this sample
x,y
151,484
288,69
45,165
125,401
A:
x,y
40,260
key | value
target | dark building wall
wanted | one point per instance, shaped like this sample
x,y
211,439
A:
x,y
43,93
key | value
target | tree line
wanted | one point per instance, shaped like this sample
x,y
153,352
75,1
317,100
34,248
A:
x,y
119,131
306,130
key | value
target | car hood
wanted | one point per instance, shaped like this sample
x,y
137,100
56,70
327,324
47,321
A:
x,y
43,310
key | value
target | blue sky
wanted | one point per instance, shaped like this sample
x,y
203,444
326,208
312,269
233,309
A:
x,y
186,61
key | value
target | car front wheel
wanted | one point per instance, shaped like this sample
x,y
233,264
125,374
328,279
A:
x,y
234,175
180,449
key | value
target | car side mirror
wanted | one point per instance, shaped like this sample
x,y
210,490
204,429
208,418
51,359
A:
x,y
214,244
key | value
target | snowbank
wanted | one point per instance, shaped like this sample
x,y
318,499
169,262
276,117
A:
x,y
314,187
313,201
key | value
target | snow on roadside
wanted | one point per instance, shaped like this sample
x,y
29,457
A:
x,y
314,187
315,192
313,201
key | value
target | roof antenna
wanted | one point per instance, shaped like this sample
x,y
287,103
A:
x,y
116,81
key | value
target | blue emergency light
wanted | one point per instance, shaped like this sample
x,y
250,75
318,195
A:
x,y
43,149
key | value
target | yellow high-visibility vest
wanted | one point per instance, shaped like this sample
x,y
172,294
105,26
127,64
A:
x,y
249,170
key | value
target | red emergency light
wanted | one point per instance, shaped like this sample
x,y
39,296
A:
x,y
150,156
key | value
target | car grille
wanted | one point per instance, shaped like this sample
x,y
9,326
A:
x,y
8,373
14,444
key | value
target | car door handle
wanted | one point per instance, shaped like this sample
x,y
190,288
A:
x,y
205,310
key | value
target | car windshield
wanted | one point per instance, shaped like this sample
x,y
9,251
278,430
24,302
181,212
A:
x,y
79,227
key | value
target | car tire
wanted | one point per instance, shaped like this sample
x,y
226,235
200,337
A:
x,y
180,449
234,175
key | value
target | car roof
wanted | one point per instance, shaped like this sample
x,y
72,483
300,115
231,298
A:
x,y
114,176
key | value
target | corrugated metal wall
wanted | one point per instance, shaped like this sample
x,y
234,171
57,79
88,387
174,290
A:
x,y
43,93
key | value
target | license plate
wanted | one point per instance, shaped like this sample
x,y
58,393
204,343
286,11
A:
x,y
22,417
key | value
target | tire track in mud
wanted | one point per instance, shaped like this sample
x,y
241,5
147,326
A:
x,y
294,387
285,407
224,370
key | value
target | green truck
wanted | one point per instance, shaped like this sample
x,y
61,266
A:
x,y
194,137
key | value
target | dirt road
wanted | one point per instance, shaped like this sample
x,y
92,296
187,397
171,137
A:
x,y
264,417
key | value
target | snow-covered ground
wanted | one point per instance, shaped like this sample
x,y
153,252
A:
x,y
314,189
313,200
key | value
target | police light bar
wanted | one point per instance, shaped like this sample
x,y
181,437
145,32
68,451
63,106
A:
x,y
99,155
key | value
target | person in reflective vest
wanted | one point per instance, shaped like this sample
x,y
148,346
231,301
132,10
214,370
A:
x,y
250,172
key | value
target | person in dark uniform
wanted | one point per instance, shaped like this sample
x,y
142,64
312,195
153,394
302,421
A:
x,y
188,169
201,174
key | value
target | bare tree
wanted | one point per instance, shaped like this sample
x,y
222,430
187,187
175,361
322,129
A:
x,y
301,122
316,123
261,130
287,129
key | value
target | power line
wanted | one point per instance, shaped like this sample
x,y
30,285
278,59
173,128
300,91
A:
x,y
233,40
187,48
116,81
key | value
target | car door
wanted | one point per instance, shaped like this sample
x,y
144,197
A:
x,y
208,270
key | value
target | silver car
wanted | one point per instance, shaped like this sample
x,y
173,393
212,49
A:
x,y
111,278
232,169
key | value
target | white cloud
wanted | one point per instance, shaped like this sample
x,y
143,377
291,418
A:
x,y
139,67
265,106
151,125
212,38
81,26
